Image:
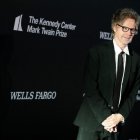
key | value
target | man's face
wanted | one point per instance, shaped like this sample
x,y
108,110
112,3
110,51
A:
x,y
124,33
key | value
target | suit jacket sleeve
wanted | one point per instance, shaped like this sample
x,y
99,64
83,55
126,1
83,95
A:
x,y
93,96
129,101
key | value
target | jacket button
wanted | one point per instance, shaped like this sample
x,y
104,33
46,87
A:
x,y
111,107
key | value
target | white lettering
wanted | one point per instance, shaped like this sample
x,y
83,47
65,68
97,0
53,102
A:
x,y
33,20
45,95
61,33
48,32
106,36
44,22
68,26
19,95
33,30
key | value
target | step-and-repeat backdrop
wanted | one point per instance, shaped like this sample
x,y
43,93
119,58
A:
x,y
43,51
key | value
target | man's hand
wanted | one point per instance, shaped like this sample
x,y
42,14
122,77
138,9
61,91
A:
x,y
113,129
111,122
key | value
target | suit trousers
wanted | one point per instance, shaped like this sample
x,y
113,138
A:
x,y
85,134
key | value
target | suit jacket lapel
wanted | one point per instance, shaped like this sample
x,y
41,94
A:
x,y
112,63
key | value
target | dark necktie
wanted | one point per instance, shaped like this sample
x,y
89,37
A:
x,y
117,88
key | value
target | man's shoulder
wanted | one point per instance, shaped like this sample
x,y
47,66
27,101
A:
x,y
133,51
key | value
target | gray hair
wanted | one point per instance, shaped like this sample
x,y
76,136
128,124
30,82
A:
x,y
122,14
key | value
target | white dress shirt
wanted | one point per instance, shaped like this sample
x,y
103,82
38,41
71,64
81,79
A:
x,y
118,50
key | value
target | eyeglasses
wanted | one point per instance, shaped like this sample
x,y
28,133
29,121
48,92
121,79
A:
x,y
126,29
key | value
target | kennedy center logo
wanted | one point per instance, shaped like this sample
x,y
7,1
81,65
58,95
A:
x,y
42,26
17,24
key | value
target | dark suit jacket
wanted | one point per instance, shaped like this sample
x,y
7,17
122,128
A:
x,y
99,85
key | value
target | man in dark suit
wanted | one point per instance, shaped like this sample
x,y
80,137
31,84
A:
x,y
108,101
